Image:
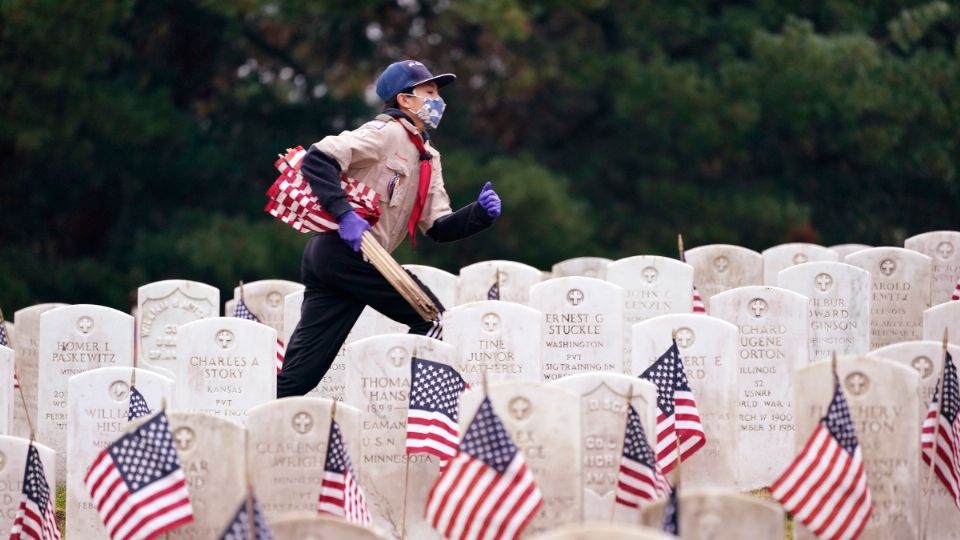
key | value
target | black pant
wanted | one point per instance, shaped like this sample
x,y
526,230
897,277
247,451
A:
x,y
339,284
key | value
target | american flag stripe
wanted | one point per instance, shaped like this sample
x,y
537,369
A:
x,y
698,306
948,453
635,481
956,292
487,491
161,507
33,525
430,430
281,352
332,491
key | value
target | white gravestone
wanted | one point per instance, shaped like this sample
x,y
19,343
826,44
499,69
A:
x,y
784,256
264,299
544,423
595,267
603,422
11,332
286,448
13,461
721,515
211,456
26,352
583,325
882,397
773,333
444,285
225,366
378,384
97,405
939,317
926,357
653,286
164,306
943,247
708,347
9,397
721,267
501,338
839,305
846,249
514,283
900,292
75,339
597,531
310,526
229,307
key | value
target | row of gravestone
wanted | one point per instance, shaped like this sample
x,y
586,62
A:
x,y
569,430
224,365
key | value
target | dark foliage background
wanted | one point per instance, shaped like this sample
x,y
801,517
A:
x,y
137,137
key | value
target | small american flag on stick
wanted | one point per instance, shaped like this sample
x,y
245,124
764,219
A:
x,y
943,431
825,487
239,527
241,311
138,405
638,479
340,495
137,484
677,415
35,516
432,416
698,306
293,202
486,491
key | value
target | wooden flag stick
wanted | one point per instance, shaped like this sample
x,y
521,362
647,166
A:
x,y
248,478
936,432
406,466
241,290
833,368
486,392
683,256
133,372
23,400
499,291
616,470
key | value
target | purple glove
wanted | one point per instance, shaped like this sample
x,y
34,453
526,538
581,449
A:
x,y
352,228
489,200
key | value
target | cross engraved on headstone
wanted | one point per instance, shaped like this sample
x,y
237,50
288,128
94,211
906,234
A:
x,y
274,299
397,355
183,437
650,274
758,306
118,390
490,322
721,263
685,337
923,365
224,339
84,325
857,383
575,296
519,407
945,250
302,422
888,267
824,281
799,258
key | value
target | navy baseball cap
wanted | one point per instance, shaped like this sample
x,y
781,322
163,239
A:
x,y
406,74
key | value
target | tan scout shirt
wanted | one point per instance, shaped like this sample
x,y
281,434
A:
x,y
379,153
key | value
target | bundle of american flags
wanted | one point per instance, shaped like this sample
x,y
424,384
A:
x,y
241,311
486,491
432,416
941,430
678,421
35,516
340,494
825,487
293,202
137,484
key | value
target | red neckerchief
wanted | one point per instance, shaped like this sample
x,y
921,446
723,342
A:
x,y
422,188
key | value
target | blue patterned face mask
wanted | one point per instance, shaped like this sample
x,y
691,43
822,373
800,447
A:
x,y
431,111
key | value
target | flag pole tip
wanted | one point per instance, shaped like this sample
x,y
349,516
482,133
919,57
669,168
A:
x,y
833,365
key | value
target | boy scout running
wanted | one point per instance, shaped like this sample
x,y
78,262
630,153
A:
x,y
392,155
